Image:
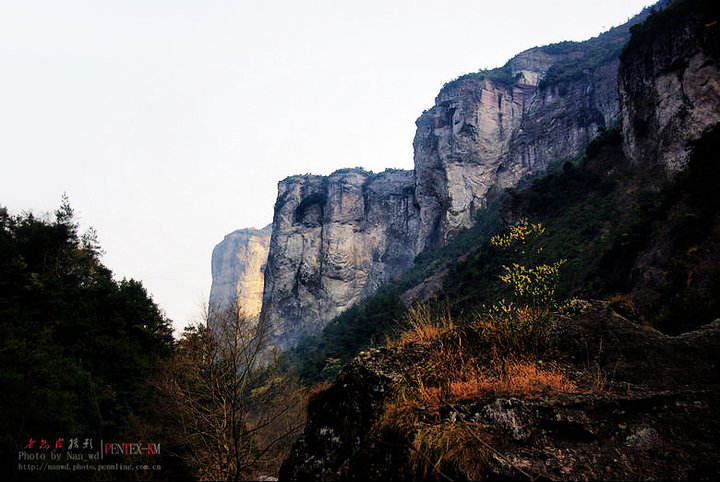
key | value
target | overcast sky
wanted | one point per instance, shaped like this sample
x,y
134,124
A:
x,y
169,123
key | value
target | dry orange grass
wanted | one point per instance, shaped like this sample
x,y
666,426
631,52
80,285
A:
x,y
401,414
521,379
435,446
423,327
456,443
429,398
316,390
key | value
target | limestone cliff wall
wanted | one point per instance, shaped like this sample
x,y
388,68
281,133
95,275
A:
x,y
484,134
238,264
335,239
669,84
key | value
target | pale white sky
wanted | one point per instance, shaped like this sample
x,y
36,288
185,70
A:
x,y
170,122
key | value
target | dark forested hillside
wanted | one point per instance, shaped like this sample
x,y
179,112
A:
x,y
75,343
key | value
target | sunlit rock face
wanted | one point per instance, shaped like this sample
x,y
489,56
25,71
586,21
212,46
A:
x,y
238,265
335,239
486,133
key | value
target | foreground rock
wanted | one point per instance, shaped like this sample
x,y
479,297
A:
x,y
657,417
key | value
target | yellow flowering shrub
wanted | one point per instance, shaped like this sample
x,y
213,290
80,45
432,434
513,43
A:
x,y
518,237
533,286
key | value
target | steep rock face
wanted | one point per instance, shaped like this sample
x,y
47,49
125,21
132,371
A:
x,y
335,240
238,265
488,131
669,84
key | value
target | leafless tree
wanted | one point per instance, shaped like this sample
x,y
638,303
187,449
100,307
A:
x,y
236,413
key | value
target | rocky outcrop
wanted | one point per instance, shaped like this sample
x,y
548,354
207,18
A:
x,y
335,239
669,84
657,418
489,130
238,265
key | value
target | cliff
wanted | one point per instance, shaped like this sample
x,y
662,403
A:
x,y
238,265
487,131
335,239
669,85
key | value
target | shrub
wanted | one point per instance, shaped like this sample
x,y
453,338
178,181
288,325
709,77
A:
x,y
496,352
533,287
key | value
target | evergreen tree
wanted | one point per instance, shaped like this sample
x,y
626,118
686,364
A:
x,y
75,344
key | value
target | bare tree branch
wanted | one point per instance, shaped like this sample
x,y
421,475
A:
x,y
236,423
